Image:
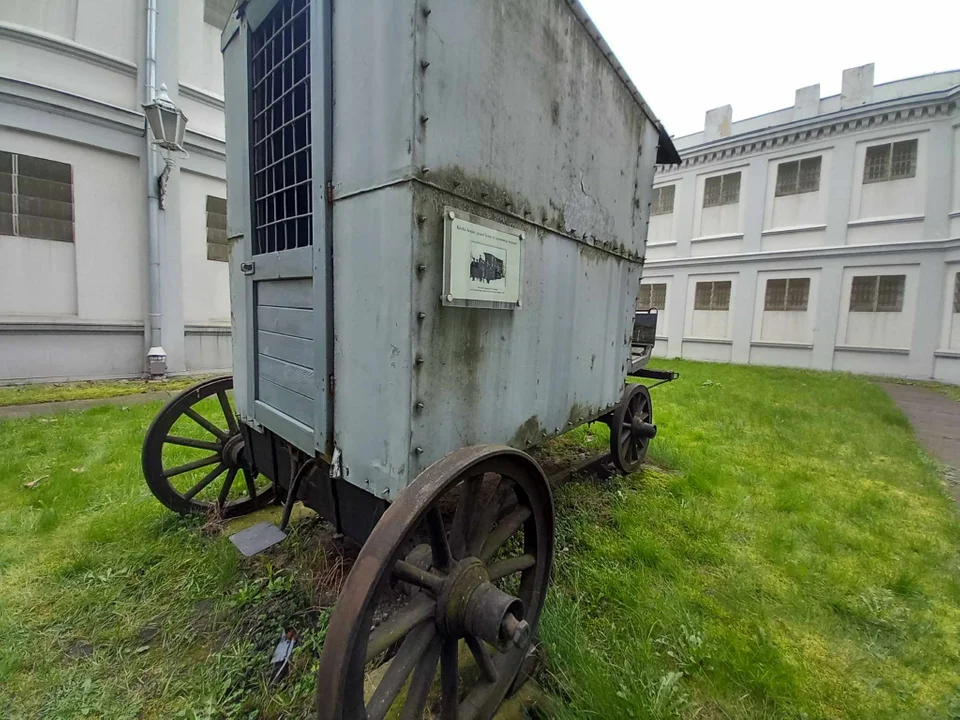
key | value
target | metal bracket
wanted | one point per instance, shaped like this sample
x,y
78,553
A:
x,y
248,268
336,471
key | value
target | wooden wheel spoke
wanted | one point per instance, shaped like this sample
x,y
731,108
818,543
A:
x,y
225,490
482,658
205,424
207,479
488,516
399,624
438,539
402,664
415,576
449,680
422,681
500,534
192,443
187,467
251,484
510,566
227,412
460,529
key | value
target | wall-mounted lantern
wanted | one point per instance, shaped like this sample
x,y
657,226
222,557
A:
x,y
168,125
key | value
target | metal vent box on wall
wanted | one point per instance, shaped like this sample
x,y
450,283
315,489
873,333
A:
x,y
438,212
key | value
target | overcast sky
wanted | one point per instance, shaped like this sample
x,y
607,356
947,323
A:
x,y
688,56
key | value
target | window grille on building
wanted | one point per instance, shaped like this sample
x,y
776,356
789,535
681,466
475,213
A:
x,y
712,295
217,12
890,161
663,200
877,293
798,176
721,190
36,198
652,295
282,155
787,294
217,248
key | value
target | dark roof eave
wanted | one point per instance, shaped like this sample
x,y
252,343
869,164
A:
x,y
666,151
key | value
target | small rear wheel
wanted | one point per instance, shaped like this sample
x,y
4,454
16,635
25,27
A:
x,y
194,459
632,429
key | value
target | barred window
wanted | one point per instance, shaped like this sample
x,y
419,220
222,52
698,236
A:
x,y
877,293
712,295
787,294
652,295
217,247
956,293
721,190
890,161
798,176
663,200
36,198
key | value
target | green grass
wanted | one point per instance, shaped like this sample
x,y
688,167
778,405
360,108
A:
x,y
89,389
790,553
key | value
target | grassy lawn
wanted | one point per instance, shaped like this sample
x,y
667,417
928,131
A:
x,y
56,392
789,553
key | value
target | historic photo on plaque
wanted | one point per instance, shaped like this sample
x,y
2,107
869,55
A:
x,y
483,262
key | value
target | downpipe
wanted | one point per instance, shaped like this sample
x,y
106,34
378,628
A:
x,y
156,356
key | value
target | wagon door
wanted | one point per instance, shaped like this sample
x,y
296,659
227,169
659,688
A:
x,y
286,269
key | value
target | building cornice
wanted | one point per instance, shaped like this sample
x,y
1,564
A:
x,y
78,107
916,108
68,327
805,253
68,48
201,96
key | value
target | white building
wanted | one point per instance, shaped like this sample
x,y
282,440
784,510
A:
x,y
74,187
825,235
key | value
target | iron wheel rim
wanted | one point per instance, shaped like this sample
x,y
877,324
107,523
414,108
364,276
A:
x,y
224,453
343,666
627,449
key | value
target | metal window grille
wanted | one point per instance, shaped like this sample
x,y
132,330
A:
x,y
776,295
787,294
956,293
652,296
663,198
712,295
809,180
282,153
721,190
903,162
890,161
787,175
217,247
877,293
36,198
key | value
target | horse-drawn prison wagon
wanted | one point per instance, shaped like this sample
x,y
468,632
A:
x,y
438,212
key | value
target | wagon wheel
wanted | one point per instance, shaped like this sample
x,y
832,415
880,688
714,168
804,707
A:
x,y
428,591
632,428
194,452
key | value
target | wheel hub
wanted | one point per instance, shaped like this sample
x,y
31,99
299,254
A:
x,y
469,604
233,448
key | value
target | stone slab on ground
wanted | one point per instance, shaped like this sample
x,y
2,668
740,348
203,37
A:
x,y
53,408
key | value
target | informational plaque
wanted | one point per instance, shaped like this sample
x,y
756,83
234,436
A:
x,y
483,262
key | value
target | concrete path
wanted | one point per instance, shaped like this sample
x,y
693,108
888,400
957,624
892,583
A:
x,y
935,418
52,408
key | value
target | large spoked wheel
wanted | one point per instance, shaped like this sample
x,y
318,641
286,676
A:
x,y
632,429
450,583
194,452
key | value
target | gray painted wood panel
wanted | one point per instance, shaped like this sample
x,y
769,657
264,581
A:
x,y
286,321
286,347
286,293
287,375
297,406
